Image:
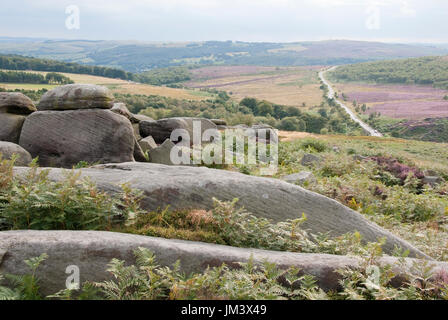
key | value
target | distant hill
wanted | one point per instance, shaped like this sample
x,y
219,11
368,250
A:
x,y
16,62
425,71
135,56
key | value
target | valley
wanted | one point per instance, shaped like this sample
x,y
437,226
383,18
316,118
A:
x,y
344,189
332,96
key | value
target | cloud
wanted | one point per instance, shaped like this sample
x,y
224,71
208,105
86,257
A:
x,y
259,20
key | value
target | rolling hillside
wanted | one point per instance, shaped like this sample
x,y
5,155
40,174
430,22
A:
x,y
141,56
425,71
406,98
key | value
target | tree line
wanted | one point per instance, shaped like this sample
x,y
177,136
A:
x,y
325,118
423,71
15,62
33,78
154,77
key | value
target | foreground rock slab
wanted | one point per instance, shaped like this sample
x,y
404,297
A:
x,y
182,187
91,251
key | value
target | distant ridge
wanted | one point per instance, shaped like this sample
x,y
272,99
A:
x,y
138,56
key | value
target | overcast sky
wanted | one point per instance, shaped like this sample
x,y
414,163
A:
x,y
245,20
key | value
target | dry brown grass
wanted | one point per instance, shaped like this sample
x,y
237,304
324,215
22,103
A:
x,y
286,86
115,85
134,88
294,135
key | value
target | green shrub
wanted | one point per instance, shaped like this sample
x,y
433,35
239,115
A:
x,y
314,145
146,280
35,202
24,287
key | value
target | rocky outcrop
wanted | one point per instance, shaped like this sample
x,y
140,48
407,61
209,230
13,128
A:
x,y
8,149
147,144
76,96
16,102
309,159
121,109
14,107
91,251
161,129
64,138
139,154
11,127
219,122
265,133
142,117
184,187
432,178
300,178
162,153
72,125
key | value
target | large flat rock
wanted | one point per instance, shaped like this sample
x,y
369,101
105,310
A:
x,y
91,251
182,187
64,138
76,96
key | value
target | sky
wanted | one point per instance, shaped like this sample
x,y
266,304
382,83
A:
x,y
243,20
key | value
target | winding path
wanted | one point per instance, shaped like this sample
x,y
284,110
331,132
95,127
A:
x,y
331,95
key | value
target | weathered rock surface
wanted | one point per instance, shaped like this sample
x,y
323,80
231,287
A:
x,y
309,159
14,106
91,251
265,132
184,187
358,157
63,138
76,96
16,102
432,180
299,178
121,109
219,122
7,149
139,155
11,127
161,154
161,129
142,117
147,144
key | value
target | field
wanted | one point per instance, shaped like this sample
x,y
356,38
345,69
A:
x,y
115,85
290,86
414,102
